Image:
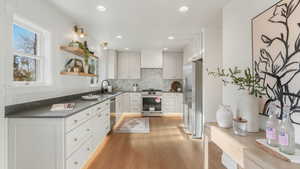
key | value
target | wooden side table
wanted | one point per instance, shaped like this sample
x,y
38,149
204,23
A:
x,y
243,150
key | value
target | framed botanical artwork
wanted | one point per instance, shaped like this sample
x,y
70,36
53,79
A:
x,y
276,55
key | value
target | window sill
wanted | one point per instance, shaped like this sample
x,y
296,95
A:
x,y
28,85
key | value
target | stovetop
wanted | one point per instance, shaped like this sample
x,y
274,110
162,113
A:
x,y
151,91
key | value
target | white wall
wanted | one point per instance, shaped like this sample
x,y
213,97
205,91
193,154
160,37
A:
x,y
212,87
212,59
59,26
187,53
237,39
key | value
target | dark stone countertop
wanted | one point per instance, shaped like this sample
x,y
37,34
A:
x,y
140,91
80,105
44,111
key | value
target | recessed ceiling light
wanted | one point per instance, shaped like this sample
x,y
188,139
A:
x,y
171,37
165,48
101,8
119,37
126,48
183,9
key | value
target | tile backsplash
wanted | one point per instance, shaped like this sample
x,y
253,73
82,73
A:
x,y
150,78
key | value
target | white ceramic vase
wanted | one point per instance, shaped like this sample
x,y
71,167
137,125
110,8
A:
x,y
249,108
224,116
86,68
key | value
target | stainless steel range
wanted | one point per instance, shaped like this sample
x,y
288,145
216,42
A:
x,y
152,102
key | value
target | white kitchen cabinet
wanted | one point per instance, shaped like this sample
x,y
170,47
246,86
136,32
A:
x,y
151,59
123,67
119,110
101,122
135,102
134,65
172,103
172,65
129,65
125,102
112,64
57,143
122,105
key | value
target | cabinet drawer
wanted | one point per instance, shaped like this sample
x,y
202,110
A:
x,y
100,115
135,109
98,108
78,159
106,104
168,94
75,120
135,101
76,137
135,96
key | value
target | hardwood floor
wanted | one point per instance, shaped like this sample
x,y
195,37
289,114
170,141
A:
x,y
166,147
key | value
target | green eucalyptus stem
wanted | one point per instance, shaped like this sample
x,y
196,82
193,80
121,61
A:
x,y
243,79
86,52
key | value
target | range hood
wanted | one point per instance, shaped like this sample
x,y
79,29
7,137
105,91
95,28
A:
x,y
152,59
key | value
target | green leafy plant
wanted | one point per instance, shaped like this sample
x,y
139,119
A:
x,y
86,52
243,79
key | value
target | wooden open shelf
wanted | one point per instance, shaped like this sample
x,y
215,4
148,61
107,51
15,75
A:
x,y
77,74
75,51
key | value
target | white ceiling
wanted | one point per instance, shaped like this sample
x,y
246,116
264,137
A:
x,y
144,24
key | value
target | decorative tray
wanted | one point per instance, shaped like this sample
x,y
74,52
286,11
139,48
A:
x,y
262,143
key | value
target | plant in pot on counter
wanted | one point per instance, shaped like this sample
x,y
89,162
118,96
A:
x,y
248,82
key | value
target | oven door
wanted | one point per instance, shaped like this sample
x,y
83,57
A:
x,y
152,104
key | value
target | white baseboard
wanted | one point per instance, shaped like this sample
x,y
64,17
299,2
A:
x,y
173,114
163,114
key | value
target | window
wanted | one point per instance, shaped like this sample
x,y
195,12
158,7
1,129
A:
x,y
28,54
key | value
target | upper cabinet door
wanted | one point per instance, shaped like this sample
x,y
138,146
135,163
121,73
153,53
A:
x,y
122,65
112,66
129,65
151,59
134,65
172,65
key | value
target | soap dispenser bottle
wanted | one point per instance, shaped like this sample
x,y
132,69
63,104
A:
x,y
286,136
272,125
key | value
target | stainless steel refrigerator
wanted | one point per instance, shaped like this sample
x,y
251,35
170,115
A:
x,y
193,98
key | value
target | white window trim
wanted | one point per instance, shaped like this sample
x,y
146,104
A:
x,y
43,73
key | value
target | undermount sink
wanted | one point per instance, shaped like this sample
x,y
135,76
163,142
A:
x,y
90,97
98,96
